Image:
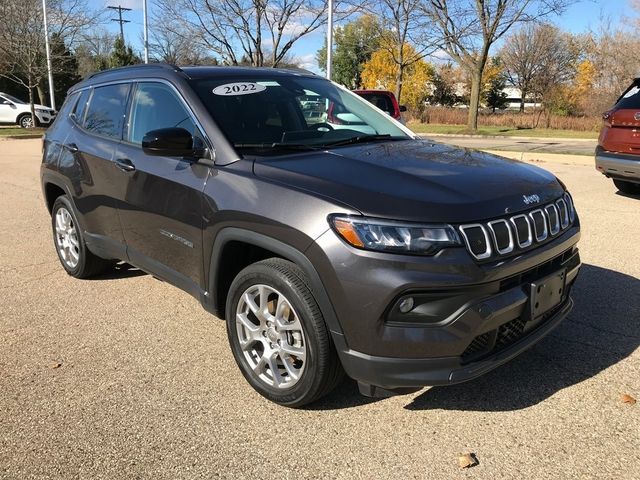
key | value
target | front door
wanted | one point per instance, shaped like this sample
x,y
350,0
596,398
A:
x,y
161,211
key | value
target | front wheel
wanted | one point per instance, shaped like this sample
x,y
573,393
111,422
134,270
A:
x,y
25,121
278,336
627,187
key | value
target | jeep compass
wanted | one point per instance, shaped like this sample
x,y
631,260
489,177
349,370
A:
x,y
328,247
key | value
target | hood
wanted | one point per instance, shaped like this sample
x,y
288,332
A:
x,y
415,180
41,107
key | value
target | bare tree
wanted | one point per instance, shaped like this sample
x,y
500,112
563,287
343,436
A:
x,y
260,32
523,56
22,50
467,29
175,46
559,56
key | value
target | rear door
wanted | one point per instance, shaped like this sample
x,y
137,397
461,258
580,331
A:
x,y
87,159
8,111
621,132
161,209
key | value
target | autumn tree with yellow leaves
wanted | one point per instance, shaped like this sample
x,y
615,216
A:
x,y
381,72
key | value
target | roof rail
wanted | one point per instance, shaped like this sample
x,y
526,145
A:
x,y
140,66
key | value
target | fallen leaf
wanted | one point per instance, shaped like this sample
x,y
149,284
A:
x,y
626,398
56,365
467,460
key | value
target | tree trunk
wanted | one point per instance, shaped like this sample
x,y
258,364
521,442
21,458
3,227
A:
x,y
474,100
522,100
33,110
41,94
399,79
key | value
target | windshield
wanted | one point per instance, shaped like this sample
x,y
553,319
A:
x,y
13,99
263,116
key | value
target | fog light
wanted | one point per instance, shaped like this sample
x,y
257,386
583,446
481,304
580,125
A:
x,y
406,305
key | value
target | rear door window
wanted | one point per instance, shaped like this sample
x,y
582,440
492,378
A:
x,y
105,113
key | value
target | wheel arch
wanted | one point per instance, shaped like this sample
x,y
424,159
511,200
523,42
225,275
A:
x,y
220,278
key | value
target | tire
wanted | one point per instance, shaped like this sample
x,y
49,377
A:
x,y
294,340
69,242
25,121
627,187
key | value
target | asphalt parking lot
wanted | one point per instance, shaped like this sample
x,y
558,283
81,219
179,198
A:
x,y
127,377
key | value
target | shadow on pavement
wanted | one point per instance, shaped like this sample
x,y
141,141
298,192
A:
x,y
602,330
118,271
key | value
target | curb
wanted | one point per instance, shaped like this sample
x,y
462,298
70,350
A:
x,y
506,137
21,137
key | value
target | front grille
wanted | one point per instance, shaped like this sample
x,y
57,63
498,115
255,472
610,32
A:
x,y
505,236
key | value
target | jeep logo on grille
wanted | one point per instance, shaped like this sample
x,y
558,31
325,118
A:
x,y
529,199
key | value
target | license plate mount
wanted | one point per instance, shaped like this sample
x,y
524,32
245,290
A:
x,y
546,293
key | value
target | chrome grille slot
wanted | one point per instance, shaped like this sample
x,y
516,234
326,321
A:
x,y
564,213
554,220
477,240
502,236
522,227
539,220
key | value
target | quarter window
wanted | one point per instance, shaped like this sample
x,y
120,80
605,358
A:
x,y
81,106
155,106
105,113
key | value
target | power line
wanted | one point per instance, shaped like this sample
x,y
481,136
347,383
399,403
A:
x,y
120,19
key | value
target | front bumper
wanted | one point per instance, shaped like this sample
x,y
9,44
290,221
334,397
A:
x,y
469,318
46,118
399,373
618,165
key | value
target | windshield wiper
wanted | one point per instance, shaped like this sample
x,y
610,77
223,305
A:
x,y
276,145
362,139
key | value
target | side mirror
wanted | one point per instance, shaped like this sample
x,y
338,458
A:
x,y
172,142
403,108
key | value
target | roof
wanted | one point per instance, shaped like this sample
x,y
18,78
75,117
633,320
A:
x,y
195,72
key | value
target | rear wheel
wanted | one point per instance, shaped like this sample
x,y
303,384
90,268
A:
x,y
278,336
627,187
71,248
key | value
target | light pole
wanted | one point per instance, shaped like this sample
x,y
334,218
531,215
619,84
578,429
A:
x,y
329,39
48,50
145,31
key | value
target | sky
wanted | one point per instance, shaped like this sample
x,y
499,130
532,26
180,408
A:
x,y
580,17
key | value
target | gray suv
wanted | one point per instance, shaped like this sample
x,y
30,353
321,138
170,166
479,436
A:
x,y
330,243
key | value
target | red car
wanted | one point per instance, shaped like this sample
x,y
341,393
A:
x,y
384,100
618,151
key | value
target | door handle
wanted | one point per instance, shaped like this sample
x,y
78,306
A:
x,y
72,147
125,164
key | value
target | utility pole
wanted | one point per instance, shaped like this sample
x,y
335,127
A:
x,y
145,31
52,97
330,39
119,19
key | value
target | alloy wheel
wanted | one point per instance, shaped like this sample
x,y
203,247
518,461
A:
x,y
67,238
271,336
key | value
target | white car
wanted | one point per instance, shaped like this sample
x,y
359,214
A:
x,y
15,111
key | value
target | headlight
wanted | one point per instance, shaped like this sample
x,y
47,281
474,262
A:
x,y
41,110
396,237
